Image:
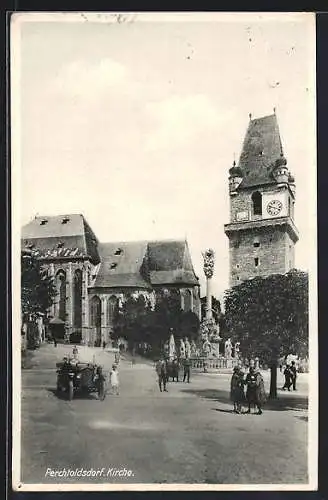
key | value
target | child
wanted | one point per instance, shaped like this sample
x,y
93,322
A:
x,y
114,380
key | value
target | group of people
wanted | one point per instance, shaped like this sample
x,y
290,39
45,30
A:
x,y
163,371
255,393
290,374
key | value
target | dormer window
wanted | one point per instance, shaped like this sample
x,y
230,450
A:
x,y
113,265
30,246
119,251
65,220
60,244
43,222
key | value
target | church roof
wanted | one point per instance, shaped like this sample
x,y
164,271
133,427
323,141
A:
x,y
61,236
121,265
261,148
142,264
169,263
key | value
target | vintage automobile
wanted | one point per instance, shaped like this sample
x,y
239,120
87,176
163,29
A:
x,y
73,377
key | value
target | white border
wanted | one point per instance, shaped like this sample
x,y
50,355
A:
x,y
16,20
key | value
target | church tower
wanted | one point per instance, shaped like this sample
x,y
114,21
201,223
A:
x,y
262,233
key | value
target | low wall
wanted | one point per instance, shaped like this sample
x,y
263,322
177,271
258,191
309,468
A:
x,y
203,363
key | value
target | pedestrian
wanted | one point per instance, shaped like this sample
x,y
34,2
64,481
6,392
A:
x,y
104,344
237,394
255,393
288,378
114,381
293,369
186,370
55,341
161,371
75,353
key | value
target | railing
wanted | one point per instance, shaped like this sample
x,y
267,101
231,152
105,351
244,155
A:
x,y
205,364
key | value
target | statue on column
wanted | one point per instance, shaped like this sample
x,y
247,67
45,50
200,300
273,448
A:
x,y
209,263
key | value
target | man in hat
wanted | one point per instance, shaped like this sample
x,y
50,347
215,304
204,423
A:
x,y
162,374
186,370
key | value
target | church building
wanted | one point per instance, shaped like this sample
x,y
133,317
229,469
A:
x,y
262,232
93,278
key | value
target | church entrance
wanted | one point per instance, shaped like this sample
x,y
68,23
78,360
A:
x,y
57,329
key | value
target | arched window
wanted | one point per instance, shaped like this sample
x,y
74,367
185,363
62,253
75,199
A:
x,y
95,306
77,300
257,203
187,300
61,291
111,308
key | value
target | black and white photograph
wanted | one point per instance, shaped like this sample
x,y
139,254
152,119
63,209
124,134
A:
x,y
164,250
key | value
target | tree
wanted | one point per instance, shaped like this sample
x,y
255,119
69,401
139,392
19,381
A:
x,y
37,288
189,325
269,317
131,321
216,308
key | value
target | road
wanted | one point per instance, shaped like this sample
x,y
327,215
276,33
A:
x,y
187,435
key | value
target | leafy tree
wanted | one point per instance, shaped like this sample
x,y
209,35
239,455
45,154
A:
x,y
216,308
37,288
189,325
131,321
137,322
269,317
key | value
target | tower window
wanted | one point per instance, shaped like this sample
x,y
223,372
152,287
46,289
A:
x,y
257,203
256,261
237,266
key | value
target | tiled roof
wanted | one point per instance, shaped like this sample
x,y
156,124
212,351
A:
x,y
136,264
142,264
169,262
121,265
261,148
64,236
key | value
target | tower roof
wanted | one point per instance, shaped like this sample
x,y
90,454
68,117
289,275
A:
x,y
261,148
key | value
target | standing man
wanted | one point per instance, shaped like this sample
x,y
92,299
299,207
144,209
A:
x,y
293,370
288,378
162,374
186,370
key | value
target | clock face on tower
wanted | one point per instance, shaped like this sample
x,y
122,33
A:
x,y
274,207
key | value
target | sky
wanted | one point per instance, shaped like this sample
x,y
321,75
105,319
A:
x,y
135,124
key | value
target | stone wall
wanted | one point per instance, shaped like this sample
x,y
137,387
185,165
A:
x,y
259,252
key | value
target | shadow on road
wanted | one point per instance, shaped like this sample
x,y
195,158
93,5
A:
x,y
282,403
77,395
